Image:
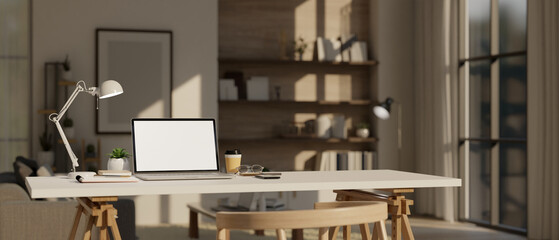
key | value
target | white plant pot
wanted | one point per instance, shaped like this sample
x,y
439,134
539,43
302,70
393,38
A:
x,y
362,132
118,164
45,158
70,132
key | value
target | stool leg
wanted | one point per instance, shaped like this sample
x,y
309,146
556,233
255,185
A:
x,y
382,230
281,234
323,233
296,234
347,232
365,233
333,233
193,231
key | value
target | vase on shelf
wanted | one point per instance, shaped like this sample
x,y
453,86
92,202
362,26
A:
x,y
362,132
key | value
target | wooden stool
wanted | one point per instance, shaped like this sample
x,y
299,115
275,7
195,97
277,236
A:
x,y
398,207
193,231
100,213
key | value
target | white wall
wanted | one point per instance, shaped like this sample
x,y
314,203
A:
x,y
393,47
63,27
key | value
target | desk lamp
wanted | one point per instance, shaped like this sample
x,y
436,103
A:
x,y
109,88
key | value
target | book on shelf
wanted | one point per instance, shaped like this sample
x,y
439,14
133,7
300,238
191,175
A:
x,y
345,160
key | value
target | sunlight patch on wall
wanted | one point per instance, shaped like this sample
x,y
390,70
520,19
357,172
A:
x,y
305,25
305,88
187,98
155,109
337,87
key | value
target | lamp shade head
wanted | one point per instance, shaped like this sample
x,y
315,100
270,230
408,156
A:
x,y
110,88
382,110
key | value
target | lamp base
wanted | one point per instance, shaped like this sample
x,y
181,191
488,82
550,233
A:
x,y
72,175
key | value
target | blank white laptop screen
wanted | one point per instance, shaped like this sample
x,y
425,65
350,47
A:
x,y
174,145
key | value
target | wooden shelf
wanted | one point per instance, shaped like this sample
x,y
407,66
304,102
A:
x,y
351,102
304,138
66,83
70,140
278,61
46,111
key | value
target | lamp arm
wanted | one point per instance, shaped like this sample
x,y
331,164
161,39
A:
x,y
55,117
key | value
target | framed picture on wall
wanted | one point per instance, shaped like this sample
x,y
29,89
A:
x,y
142,62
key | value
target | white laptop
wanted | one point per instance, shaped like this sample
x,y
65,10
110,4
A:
x,y
175,149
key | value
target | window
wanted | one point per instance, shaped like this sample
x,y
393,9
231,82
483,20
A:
x,y
15,85
493,112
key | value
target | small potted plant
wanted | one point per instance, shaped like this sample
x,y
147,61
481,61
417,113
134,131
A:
x,y
300,47
66,74
46,156
68,125
362,130
118,159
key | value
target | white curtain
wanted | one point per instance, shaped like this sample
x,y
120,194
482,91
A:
x,y
543,119
436,103
14,82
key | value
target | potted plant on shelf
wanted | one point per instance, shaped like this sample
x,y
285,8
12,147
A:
x,y
300,47
68,125
66,74
46,156
362,130
118,159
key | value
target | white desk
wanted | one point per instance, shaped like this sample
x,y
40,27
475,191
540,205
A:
x,y
53,187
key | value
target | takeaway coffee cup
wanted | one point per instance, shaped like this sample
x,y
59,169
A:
x,y
232,160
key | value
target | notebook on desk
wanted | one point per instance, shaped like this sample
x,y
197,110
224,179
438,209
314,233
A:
x,y
175,149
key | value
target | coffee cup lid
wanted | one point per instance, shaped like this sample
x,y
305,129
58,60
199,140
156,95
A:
x,y
234,151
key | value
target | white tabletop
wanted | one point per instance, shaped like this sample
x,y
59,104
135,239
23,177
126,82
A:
x,y
52,187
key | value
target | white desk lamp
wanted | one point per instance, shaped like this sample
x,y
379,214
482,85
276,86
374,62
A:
x,y
109,88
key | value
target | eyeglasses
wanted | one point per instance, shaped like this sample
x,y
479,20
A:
x,y
250,170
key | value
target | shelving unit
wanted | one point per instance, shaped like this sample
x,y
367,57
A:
x,y
255,127
308,88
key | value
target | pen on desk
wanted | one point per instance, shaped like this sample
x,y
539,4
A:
x,y
79,178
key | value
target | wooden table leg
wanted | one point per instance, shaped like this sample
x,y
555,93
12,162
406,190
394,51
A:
x,y
398,207
100,213
193,231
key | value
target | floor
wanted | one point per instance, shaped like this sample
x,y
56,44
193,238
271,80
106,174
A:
x,y
423,228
